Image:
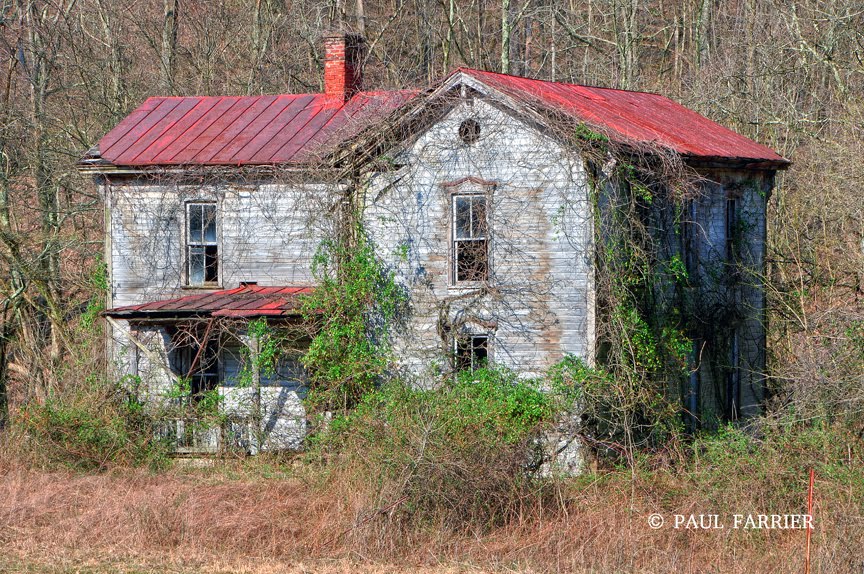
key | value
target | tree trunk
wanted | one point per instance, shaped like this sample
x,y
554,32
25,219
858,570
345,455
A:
x,y
169,44
115,61
361,18
506,33
448,43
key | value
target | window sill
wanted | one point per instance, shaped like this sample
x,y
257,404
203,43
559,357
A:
x,y
202,287
467,286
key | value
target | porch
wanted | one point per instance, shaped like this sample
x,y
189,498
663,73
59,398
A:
x,y
221,369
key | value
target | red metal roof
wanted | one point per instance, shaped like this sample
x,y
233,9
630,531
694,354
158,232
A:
x,y
244,301
292,129
253,130
634,116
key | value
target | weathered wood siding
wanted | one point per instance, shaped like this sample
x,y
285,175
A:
x,y
732,297
538,304
267,233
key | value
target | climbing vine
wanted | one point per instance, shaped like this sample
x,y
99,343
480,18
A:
x,y
633,400
270,347
355,303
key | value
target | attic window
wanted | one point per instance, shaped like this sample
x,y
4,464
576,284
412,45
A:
x,y
469,131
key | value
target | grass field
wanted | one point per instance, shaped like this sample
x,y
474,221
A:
x,y
261,518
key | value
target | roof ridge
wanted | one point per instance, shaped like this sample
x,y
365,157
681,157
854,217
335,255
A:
x,y
467,69
286,94
309,124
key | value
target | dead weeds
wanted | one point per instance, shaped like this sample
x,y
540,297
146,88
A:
x,y
229,518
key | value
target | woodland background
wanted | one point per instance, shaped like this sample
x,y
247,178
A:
x,y
787,73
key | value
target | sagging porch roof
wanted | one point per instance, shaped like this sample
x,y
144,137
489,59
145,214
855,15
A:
x,y
245,301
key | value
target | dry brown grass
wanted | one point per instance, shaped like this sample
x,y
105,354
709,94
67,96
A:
x,y
226,519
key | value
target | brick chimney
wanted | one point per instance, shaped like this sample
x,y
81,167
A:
x,y
343,64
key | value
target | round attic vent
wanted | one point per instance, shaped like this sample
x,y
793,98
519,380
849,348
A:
x,y
469,131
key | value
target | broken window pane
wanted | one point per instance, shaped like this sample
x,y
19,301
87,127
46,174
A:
x,y
472,352
211,264
202,244
478,218
471,260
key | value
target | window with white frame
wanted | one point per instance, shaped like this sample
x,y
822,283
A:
x,y
202,244
471,352
470,238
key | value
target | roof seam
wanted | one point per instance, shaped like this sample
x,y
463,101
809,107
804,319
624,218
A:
x,y
204,147
219,100
278,131
228,142
296,133
213,103
274,104
174,123
144,114
120,139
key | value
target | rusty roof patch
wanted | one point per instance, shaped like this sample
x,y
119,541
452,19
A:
x,y
246,301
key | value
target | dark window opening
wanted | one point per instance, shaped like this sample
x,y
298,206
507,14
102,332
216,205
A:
x,y
205,375
731,227
470,242
469,131
202,246
472,352
689,246
733,380
201,367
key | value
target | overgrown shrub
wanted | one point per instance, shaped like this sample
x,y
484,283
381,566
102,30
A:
x,y
94,427
616,417
767,468
355,302
465,454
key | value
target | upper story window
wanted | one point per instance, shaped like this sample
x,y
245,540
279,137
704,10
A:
x,y
202,245
470,238
732,229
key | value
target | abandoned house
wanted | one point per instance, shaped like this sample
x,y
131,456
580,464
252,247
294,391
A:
x,y
470,191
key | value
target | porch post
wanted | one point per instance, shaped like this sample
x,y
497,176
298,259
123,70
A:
x,y
257,435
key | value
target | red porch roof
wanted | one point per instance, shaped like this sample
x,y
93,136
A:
x,y
245,301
